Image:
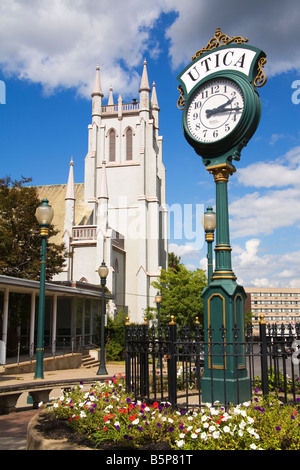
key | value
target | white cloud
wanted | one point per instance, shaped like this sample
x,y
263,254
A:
x,y
254,267
58,43
184,251
267,209
272,26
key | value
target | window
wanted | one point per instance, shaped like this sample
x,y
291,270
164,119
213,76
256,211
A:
x,y
128,138
112,145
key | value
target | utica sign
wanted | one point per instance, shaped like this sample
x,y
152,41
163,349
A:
x,y
240,59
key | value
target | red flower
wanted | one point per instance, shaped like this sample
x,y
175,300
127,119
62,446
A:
x,y
155,405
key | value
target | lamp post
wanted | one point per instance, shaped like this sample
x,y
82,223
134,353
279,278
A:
x,y
209,225
44,214
158,302
103,272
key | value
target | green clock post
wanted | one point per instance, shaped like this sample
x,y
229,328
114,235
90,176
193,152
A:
x,y
221,112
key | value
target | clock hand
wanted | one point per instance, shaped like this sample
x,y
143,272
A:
x,y
210,112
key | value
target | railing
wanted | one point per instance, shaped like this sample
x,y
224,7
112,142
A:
x,y
88,234
170,364
85,233
124,108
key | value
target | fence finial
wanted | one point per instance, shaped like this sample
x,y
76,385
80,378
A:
x,y
197,321
262,319
127,321
172,320
145,321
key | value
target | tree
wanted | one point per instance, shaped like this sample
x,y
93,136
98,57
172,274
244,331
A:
x,y
181,295
20,240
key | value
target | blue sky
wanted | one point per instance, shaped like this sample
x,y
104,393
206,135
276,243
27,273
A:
x,y
48,55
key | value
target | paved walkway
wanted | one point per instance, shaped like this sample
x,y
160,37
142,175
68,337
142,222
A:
x,y
13,426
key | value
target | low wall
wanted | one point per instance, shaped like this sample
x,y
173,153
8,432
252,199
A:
x,y
36,440
68,361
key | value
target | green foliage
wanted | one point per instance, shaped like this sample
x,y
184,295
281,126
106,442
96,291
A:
x,y
20,241
115,337
181,294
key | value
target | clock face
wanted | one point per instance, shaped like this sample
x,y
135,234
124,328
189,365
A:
x,y
215,110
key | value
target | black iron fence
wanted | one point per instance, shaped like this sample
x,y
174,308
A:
x,y
174,364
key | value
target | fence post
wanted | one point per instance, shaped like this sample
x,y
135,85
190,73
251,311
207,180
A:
x,y
172,369
144,376
127,357
263,356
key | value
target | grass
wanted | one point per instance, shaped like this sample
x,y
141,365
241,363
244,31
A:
x,y
106,413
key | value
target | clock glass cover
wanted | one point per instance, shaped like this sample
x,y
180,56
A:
x,y
215,110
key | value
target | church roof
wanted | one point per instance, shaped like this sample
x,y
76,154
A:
x,y
56,193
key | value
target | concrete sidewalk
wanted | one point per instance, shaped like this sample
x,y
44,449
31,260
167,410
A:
x,y
13,426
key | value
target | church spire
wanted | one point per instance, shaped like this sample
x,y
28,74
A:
x,y
154,106
97,90
111,97
144,82
97,96
144,93
70,193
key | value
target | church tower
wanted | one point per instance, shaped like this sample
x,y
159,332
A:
x,y
125,194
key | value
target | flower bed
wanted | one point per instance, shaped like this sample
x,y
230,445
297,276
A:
x,y
107,415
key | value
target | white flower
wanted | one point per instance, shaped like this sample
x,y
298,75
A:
x,y
250,420
240,433
82,414
212,428
170,420
189,428
117,423
226,429
180,443
206,425
204,418
182,436
136,421
252,446
55,405
216,435
194,436
203,436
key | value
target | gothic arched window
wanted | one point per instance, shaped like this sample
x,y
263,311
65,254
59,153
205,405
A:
x,y
128,137
112,145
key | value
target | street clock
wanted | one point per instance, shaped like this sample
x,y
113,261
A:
x,y
221,106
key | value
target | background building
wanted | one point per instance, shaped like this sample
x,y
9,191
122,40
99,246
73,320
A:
x,y
279,305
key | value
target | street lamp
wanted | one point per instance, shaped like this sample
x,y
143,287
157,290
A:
x,y
44,215
209,224
158,302
103,273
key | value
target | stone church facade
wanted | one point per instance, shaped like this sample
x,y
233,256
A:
x,y
118,214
